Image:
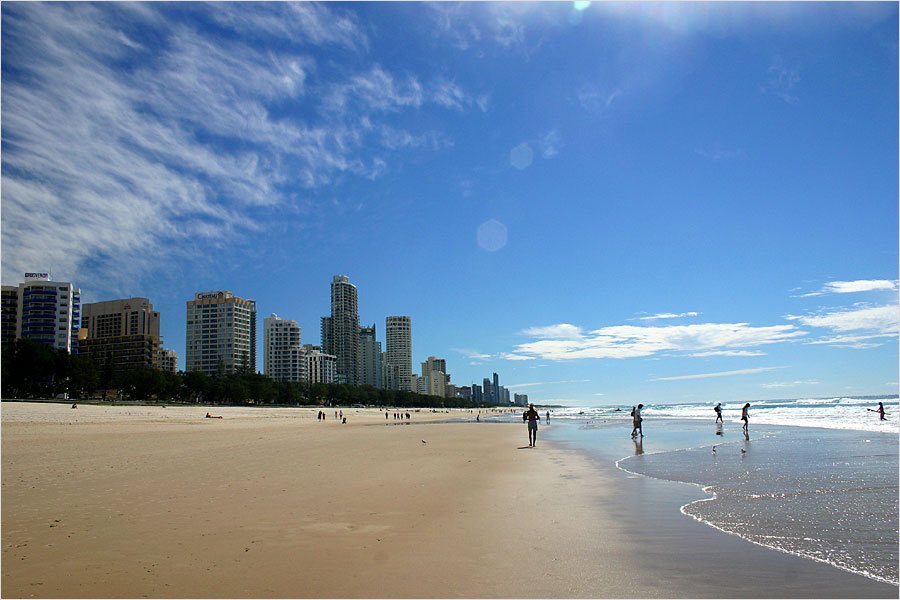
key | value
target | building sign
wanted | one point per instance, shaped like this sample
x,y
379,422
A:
x,y
37,276
210,295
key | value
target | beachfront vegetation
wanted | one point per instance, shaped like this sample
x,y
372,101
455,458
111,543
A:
x,y
33,370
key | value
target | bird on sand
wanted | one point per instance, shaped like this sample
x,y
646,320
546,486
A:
x,y
424,442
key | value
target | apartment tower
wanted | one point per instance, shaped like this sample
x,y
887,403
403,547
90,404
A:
x,y
398,353
44,311
121,335
340,331
220,334
283,354
370,357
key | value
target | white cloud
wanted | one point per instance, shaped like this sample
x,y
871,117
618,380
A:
x,y
784,384
668,316
473,354
729,353
852,287
719,374
133,168
862,285
562,331
877,319
566,341
525,385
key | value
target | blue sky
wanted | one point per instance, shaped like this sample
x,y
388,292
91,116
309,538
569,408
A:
x,y
605,203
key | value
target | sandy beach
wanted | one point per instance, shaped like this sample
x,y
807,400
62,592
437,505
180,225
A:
x,y
161,502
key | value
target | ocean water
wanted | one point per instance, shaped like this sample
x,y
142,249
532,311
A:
x,y
814,478
830,413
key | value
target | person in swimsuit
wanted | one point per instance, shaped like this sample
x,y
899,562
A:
x,y
745,417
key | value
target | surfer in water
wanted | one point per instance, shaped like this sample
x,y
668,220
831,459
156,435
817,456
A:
x,y
879,410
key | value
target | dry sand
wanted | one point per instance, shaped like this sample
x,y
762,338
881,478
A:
x,y
153,502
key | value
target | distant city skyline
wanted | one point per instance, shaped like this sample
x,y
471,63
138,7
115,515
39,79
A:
x,y
604,203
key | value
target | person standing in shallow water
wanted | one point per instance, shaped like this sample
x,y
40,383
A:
x,y
637,429
533,417
745,416
718,410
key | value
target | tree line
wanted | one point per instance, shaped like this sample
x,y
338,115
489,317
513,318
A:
x,y
34,370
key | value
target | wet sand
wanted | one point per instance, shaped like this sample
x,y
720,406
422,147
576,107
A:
x,y
153,502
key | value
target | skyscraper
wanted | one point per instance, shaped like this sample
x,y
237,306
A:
x,y
282,358
488,390
220,333
123,333
45,311
435,369
495,388
398,353
340,331
10,314
370,357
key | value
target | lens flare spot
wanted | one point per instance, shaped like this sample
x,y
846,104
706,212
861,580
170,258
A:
x,y
492,235
581,4
521,156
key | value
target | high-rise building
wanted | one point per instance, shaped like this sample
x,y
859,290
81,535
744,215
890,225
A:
x,y
370,358
121,335
435,369
497,393
340,331
167,360
45,311
398,353
488,390
9,316
282,357
220,333
421,384
320,367
477,394
521,399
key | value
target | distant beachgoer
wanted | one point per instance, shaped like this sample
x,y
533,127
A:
x,y
342,414
548,417
879,410
745,416
76,406
718,410
209,416
343,420
385,415
533,418
636,421
335,415
478,417
524,416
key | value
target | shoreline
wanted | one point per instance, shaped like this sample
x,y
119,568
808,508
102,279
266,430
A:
x,y
698,493
273,506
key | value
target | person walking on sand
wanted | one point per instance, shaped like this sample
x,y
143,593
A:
x,y
745,416
633,420
533,417
879,410
718,410
548,417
